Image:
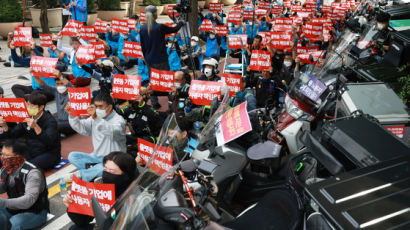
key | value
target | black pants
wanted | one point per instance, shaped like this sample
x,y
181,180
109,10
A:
x,y
65,19
64,127
44,161
20,91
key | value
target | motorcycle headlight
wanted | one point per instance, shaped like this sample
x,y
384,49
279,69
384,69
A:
x,y
295,112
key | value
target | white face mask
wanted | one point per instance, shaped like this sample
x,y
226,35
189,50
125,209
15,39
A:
x,y
169,45
214,15
287,63
208,72
61,89
380,26
177,85
212,36
101,113
193,43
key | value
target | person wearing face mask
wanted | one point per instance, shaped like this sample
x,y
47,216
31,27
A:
x,y
53,52
173,55
383,41
285,74
119,169
60,93
212,44
265,89
104,78
209,69
177,98
26,205
244,95
107,129
39,131
196,54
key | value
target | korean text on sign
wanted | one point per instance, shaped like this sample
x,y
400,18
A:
x,y
43,66
203,92
80,100
13,109
235,122
126,86
162,80
161,162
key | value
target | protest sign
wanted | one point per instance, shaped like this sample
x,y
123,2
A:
x,y
264,5
316,55
248,14
206,25
234,17
72,28
119,25
283,24
172,12
287,4
22,36
397,130
236,41
314,89
161,162
85,54
87,33
276,10
162,80
234,123
296,20
82,191
43,66
221,30
126,86
203,92
215,7
80,100
303,50
13,109
260,12
313,31
99,49
100,26
260,60
234,83
265,36
131,24
170,25
132,49
46,40
143,19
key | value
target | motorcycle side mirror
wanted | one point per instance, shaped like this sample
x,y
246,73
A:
x,y
99,215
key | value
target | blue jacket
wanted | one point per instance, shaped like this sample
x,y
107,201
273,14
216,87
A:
x,y
23,61
78,71
143,70
212,47
249,30
48,81
54,55
174,60
79,12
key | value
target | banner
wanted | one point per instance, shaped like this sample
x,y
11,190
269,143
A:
x,y
162,160
215,7
234,123
88,33
72,28
234,41
22,36
206,25
132,49
119,25
260,60
13,109
126,86
46,40
99,49
162,80
234,83
80,100
221,30
203,92
100,26
43,66
83,191
85,54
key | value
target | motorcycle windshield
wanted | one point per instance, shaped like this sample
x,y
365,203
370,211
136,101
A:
x,y
135,207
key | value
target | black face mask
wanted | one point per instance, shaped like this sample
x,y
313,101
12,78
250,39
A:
x,y
54,42
121,182
106,71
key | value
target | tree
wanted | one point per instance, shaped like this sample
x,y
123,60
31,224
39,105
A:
x,y
43,17
193,18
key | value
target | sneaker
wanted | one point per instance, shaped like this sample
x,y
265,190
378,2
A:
x,y
69,177
7,64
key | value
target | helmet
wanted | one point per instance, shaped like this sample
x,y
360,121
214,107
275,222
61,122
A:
x,y
212,62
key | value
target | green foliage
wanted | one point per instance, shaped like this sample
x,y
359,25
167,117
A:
x,y
50,3
404,92
152,2
91,6
109,4
10,11
168,1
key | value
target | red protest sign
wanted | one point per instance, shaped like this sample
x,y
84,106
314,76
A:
x,y
99,49
283,24
234,17
131,24
100,26
203,92
236,41
296,8
13,109
287,4
132,49
72,28
277,10
170,25
22,36
265,36
43,66
85,54
281,40
82,191
46,40
206,25
172,12
126,86
397,130
260,12
162,80
234,123
264,5
87,33
303,50
260,60
215,7
80,100
247,2
119,25
143,19
247,14
234,83
316,55
161,162
313,31
221,30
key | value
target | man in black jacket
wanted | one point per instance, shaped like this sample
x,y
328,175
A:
x,y
40,133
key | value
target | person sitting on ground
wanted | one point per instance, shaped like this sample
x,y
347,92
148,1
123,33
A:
x,y
107,129
60,93
27,204
209,70
22,60
177,98
39,132
120,169
196,55
53,52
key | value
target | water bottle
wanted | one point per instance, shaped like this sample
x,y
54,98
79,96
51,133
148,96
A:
x,y
197,129
63,187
